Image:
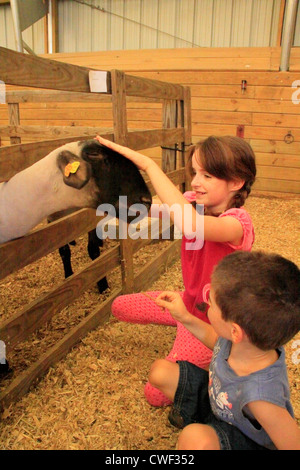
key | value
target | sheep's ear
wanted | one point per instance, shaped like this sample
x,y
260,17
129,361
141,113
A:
x,y
76,172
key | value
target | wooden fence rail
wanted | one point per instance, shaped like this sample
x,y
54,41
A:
x,y
69,83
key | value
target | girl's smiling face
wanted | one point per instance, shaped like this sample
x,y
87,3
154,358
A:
x,y
213,192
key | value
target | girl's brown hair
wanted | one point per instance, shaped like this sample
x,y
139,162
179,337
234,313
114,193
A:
x,y
229,158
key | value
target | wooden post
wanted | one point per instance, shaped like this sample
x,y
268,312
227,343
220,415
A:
x,y
119,106
187,124
119,110
14,120
126,255
169,120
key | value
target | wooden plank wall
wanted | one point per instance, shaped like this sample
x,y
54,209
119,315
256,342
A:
x,y
265,110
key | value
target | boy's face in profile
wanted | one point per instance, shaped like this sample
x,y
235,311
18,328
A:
x,y
221,327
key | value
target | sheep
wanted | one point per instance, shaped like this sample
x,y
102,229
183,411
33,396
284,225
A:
x,y
75,175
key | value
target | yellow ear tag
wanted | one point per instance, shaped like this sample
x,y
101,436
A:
x,y
71,168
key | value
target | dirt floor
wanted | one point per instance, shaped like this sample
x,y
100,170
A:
x,y
93,399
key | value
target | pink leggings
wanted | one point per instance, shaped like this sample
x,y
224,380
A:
x,y
137,308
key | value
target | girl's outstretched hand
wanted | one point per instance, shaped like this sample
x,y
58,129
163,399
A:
x,y
140,160
174,303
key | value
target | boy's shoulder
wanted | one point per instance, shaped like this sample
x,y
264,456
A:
x,y
268,384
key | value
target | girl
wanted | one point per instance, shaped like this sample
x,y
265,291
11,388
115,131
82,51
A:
x,y
223,172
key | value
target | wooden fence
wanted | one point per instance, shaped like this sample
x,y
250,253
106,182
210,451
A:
x,y
65,83
264,112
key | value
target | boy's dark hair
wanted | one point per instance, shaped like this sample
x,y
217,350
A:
x,y
259,292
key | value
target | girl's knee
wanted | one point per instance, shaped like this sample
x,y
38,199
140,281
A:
x,y
198,437
164,376
159,372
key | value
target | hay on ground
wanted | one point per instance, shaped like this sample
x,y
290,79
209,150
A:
x,y
93,398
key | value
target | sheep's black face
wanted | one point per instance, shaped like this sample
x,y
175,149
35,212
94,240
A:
x,y
115,176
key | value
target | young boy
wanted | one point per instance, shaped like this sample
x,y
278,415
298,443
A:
x,y
243,402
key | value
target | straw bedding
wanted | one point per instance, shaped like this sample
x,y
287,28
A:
x,y
93,398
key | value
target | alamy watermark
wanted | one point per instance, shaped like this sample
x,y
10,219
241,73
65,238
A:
x,y
296,354
296,94
187,222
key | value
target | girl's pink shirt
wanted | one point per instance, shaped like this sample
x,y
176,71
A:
x,y
197,265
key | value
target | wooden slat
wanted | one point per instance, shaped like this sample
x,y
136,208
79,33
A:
x,y
221,117
36,244
277,186
280,173
95,114
48,96
223,91
271,133
284,160
40,311
272,146
274,92
20,386
152,89
183,59
158,54
38,132
228,77
251,132
277,120
152,138
244,105
17,68
18,157
295,59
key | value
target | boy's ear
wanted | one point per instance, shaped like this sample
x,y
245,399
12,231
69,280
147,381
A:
x,y
237,333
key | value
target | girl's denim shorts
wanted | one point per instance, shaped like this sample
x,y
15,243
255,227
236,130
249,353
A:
x,y
191,405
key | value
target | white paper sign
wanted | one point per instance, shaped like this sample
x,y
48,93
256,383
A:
x,y
98,81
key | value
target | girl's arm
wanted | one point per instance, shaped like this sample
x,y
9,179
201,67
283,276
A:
x,y
278,424
219,229
200,329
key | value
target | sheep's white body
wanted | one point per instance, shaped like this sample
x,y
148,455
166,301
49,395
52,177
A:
x,y
36,192
46,188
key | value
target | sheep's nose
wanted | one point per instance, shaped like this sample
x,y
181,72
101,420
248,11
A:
x,y
146,201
